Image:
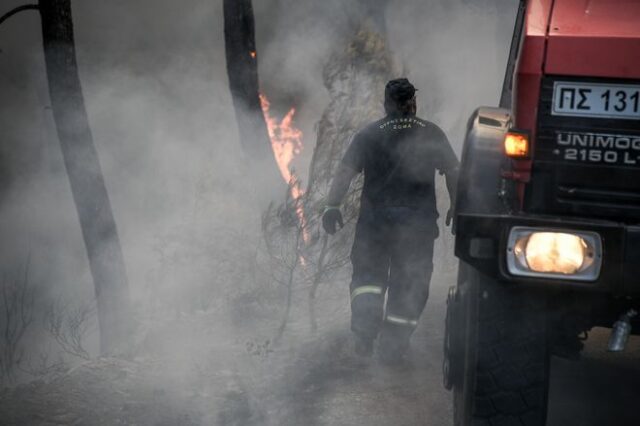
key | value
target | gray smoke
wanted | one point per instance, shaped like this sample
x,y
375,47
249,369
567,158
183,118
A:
x,y
155,86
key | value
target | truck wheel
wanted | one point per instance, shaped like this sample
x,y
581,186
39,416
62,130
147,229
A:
x,y
504,375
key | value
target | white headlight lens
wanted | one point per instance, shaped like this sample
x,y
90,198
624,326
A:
x,y
567,255
555,252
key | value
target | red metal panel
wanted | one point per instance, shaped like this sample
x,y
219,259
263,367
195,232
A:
x,y
538,13
530,64
528,77
596,18
595,38
594,57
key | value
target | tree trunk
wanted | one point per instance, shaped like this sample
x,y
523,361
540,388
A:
x,y
85,176
242,69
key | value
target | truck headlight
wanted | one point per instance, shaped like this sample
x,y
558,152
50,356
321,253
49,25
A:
x,y
551,253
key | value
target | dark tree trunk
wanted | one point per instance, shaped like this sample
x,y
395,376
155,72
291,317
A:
x,y
85,176
242,68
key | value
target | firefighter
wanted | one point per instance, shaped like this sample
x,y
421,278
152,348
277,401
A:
x,y
393,248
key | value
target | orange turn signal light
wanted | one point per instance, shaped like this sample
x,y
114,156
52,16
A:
x,y
516,144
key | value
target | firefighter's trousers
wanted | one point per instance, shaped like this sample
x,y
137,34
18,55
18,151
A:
x,y
391,256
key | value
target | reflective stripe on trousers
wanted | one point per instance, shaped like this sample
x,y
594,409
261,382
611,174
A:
x,y
365,289
393,319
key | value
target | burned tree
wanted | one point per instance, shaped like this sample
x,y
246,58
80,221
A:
x,y
85,175
242,69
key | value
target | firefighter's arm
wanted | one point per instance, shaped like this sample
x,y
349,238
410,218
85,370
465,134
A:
x,y
452,185
449,167
340,185
352,164
331,216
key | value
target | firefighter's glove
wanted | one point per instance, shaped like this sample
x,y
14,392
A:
x,y
330,218
450,222
449,218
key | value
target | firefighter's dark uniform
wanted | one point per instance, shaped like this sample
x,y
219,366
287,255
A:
x,y
394,239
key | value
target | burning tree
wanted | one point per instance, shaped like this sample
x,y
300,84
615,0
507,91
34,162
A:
x,y
355,77
242,69
285,228
85,175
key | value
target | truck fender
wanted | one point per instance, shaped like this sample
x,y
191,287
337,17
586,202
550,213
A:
x,y
480,181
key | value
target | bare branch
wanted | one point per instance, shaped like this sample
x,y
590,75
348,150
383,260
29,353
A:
x,y
317,279
42,366
17,305
69,326
17,10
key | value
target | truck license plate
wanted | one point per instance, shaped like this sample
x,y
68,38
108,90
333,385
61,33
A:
x,y
621,101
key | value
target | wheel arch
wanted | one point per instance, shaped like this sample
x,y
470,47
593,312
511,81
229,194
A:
x,y
480,181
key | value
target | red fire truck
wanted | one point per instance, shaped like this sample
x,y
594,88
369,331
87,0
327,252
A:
x,y
548,210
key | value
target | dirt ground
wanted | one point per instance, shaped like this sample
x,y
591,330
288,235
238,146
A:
x,y
221,368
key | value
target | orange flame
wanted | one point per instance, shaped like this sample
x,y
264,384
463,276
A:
x,y
253,54
286,142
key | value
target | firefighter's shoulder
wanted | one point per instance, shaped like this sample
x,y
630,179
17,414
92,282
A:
x,y
433,130
425,123
370,130
364,135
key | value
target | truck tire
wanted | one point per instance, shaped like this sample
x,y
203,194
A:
x,y
504,375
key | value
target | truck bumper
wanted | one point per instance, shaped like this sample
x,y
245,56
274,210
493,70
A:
x,y
481,241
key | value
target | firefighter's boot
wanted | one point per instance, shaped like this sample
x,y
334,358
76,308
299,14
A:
x,y
394,339
363,345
